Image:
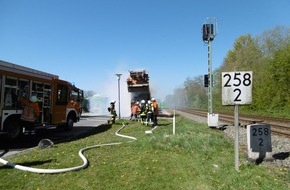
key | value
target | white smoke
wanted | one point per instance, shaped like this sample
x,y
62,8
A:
x,y
100,102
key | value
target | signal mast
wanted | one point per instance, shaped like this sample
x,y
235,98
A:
x,y
209,31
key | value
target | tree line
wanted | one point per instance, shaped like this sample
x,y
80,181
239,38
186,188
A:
x,y
267,55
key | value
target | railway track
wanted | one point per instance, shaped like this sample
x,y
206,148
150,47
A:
x,y
279,126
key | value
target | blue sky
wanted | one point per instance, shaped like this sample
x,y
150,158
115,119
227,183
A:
x,y
88,41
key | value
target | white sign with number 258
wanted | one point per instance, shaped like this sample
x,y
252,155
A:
x,y
237,87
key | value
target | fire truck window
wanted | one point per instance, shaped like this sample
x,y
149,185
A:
x,y
23,87
75,94
10,95
62,95
10,82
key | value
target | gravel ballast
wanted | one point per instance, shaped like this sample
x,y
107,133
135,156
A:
x,y
280,145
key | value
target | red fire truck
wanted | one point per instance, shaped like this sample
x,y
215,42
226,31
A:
x,y
59,101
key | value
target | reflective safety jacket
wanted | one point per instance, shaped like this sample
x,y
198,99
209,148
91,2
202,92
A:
x,y
135,109
149,108
142,109
155,107
30,111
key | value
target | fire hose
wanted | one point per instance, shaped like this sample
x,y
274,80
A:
x,y
84,159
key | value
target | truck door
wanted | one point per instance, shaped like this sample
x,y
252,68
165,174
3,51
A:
x,y
61,98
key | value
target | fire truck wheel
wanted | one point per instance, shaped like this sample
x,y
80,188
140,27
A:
x,y
70,123
14,128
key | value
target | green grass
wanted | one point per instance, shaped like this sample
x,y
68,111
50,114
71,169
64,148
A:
x,y
196,157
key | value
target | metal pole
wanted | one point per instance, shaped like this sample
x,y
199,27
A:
x,y
119,96
210,77
119,76
237,138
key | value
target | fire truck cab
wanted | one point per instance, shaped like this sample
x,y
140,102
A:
x,y
59,101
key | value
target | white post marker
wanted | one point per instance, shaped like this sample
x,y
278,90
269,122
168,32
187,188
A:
x,y
237,90
173,122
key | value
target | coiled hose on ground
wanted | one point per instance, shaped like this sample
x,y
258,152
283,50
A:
x,y
54,171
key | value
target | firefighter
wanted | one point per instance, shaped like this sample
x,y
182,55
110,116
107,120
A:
x,y
155,111
132,107
149,112
112,111
30,112
134,111
142,113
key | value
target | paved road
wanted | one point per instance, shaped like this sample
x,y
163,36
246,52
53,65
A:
x,y
88,125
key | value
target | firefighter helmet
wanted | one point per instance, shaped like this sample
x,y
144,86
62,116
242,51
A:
x,y
33,99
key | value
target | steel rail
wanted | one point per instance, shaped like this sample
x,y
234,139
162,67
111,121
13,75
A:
x,y
279,126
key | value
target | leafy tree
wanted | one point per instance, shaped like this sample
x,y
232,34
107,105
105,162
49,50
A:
x,y
280,75
264,87
273,40
245,54
268,56
196,93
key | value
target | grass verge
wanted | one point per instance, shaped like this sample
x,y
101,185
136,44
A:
x,y
196,157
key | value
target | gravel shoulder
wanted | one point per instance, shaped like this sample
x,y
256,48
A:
x,y
280,145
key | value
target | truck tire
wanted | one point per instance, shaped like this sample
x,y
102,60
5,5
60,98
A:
x,y
13,128
70,123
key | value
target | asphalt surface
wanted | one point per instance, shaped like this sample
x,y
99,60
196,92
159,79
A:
x,y
88,125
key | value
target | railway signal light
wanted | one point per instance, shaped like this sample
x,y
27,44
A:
x,y
206,81
207,32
